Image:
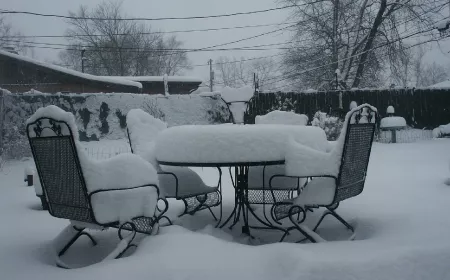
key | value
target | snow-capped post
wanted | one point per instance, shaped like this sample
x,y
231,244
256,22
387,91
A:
x,y
166,85
353,105
29,172
1,120
390,111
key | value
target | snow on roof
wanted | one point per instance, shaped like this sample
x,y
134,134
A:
x,y
73,72
444,84
185,79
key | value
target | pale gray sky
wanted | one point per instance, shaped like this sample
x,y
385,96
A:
x,y
31,25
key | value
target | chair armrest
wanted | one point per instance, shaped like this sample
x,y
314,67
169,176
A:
x,y
176,179
303,161
298,177
163,211
118,172
125,204
124,189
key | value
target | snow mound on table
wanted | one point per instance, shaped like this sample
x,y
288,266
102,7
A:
x,y
117,173
233,143
282,117
392,122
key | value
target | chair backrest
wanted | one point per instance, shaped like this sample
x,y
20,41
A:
x,y
282,117
142,128
57,163
359,134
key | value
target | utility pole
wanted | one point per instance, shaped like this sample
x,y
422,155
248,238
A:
x,y
211,75
335,34
83,50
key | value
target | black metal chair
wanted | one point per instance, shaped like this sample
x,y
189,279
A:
x,y
54,149
338,182
282,188
176,182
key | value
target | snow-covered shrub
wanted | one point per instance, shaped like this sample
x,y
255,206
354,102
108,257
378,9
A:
x,y
441,131
330,124
15,142
104,112
151,107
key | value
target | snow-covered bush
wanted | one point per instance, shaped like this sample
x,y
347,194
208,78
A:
x,y
442,130
151,107
330,124
104,115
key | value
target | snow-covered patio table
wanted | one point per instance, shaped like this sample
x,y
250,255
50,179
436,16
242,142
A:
x,y
235,146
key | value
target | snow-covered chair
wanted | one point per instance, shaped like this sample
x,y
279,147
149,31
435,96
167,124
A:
x,y
259,191
282,117
180,183
333,177
120,192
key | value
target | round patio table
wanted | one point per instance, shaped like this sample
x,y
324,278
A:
x,y
234,146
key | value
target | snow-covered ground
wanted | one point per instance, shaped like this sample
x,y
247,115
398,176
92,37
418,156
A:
x,y
401,221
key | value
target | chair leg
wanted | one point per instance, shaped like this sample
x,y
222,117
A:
x,y
76,233
309,234
331,211
212,213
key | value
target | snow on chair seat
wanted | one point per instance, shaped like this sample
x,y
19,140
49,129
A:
x,y
120,192
336,176
180,183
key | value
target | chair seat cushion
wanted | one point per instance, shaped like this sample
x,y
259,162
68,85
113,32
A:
x,y
319,191
124,204
189,182
257,173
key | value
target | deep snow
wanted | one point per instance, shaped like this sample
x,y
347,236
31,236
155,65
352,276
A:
x,y
401,221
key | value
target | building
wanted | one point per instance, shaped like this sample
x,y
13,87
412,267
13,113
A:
x,y
155,84
21,74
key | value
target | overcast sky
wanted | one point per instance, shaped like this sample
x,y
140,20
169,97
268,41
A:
x,y
31,25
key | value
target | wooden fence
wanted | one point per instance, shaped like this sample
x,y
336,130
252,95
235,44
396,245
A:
x,y
422,108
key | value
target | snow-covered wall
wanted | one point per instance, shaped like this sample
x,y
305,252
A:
x,y
104,115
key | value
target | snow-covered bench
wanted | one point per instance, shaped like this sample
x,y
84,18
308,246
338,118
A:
x,y
176,182
120,192
333,177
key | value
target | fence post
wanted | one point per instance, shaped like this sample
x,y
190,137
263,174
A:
x,y
2,118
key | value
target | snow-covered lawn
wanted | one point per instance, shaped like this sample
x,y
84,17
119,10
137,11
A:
x,y
401,219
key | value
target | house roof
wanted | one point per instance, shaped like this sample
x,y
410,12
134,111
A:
x,y
444,84
112,80
180,79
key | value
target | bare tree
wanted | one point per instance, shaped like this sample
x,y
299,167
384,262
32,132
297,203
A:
x,y
120,47
10,38
361,38
432,74
233,72
413,70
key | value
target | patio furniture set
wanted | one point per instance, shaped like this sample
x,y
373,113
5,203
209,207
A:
x,y
289,169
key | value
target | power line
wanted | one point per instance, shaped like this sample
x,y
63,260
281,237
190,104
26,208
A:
x,y
3,11
151,33
209,48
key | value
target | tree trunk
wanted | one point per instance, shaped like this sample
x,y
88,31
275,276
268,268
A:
x,y
369,44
